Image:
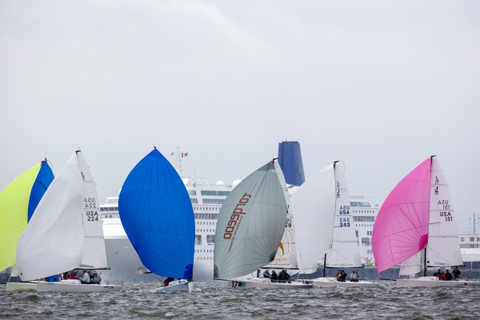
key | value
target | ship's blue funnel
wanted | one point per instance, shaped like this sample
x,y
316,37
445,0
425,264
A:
x,y
290,160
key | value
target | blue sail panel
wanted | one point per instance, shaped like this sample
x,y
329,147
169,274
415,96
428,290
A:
x,y
41,184
290,160
157,215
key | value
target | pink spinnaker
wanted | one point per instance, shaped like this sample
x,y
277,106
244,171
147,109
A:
x,y
401,226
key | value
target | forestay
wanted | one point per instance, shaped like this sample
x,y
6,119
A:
x,y
250,224
52,242
313,205
157,215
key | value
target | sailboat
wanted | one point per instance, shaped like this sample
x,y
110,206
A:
x,y
415,222
290,162
325,227
250,227
17,203
65,232
158,218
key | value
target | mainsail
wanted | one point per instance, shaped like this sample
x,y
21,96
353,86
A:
x,y
18,201
345,250
443,247
313,205
52,242
94,254
250,224
157,215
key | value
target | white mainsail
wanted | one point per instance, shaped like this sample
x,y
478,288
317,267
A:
x,y
52,242
250,224
313,205
345,250
443,248
94,254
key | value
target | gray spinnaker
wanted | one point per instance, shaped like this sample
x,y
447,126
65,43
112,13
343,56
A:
x,y
250,224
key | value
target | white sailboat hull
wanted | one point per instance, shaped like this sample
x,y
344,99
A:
x,y
180,285
431,282
333,282
75,286
265,283
21,286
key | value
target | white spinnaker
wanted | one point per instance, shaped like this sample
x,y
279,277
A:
x,y
250,224
52,242
286,257
412,265
443,248
313,206
94,254
345,250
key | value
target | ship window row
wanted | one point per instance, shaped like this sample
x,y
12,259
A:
x,y
203,222
205,230
472,239
203,251
216,201
360,204
210,216
192,192
210,238
214,193
204,258
363,219
108,208
363,211
366,241
207,208
469,245
363,225
193,200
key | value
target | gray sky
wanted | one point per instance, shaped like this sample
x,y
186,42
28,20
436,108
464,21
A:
x,y
380,85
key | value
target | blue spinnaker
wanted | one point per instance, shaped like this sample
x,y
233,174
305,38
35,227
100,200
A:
x,y
157,215
41,184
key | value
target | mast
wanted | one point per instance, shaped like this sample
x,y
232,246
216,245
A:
x,y
424,262
325,265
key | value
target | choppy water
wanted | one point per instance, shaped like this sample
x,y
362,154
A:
x,y
215,301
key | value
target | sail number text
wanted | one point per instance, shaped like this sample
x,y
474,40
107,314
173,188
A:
x,y
90,203
447,216
344,222
92,215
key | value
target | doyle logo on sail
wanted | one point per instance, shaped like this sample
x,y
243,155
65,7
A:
x,y
234,218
